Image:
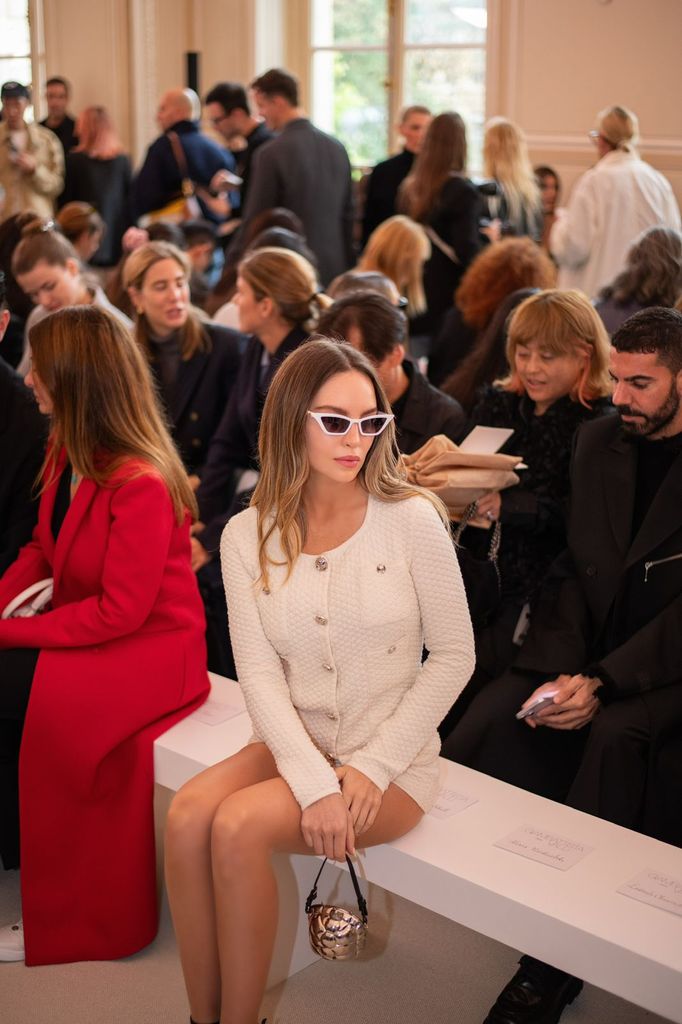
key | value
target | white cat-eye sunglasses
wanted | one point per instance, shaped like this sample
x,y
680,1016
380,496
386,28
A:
x,y
336,425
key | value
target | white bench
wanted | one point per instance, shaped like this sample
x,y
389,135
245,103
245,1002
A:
x,y
574,919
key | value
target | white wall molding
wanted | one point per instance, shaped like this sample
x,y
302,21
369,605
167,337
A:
x,y
579,142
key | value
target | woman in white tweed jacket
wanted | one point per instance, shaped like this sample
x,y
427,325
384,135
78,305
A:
x,y
336,577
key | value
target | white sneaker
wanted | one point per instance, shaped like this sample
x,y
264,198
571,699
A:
x,y
12,942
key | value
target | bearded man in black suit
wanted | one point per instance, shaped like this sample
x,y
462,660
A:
x,y
605,640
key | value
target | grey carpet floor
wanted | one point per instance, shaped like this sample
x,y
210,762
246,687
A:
x,y
432,972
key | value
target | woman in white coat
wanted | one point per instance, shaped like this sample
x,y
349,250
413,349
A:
x,y
336,577
613,203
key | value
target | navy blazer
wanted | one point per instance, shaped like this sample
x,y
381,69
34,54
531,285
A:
x,y
159,181
235,442
202,391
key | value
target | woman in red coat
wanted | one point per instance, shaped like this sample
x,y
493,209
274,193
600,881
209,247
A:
x,y
115,661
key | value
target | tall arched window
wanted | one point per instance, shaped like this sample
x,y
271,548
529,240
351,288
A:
x,y
370,58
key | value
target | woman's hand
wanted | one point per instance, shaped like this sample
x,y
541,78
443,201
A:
x,y
327,827
490,506
363,798
133,239
193,480
493,230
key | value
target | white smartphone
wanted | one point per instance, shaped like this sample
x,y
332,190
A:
x,y
538,704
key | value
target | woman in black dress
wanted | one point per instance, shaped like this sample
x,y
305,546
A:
x,y
557,349
438,195
98,172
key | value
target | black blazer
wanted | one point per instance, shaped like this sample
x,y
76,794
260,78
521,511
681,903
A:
x,y
424,412
235,443
603,610
23,431
382,190
455,220
202,392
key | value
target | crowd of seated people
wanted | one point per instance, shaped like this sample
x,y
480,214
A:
x,y
140,417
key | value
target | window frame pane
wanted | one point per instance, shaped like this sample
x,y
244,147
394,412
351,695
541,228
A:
x,y
398,49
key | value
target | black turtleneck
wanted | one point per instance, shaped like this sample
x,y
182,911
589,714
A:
x,y
166,354
654,459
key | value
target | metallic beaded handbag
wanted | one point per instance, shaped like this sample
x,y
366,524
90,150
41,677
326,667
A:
x,y
335,932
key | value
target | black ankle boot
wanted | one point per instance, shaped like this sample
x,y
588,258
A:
x,y
537,994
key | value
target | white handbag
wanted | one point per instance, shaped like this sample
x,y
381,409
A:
x,y
31,601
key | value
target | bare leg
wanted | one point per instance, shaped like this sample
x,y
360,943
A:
x,y
188,870
249,826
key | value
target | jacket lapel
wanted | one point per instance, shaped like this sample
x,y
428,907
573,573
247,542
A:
x,y
81,503
619,475
663,517
189,374
46,510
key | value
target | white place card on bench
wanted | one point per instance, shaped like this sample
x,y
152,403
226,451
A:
x,y
545,847
449,802
213,712
657,889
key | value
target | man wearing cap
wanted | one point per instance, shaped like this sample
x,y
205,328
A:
x,y
611,204
31,158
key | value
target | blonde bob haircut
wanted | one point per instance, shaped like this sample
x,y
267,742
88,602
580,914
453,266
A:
x,y
289,280
398,248
284,467
565,323
505,158
104,407
193,335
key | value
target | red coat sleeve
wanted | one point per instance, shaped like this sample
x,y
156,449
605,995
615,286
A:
x,y
137,546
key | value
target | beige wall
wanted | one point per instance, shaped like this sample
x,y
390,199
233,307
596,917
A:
x,y
561,62
552,63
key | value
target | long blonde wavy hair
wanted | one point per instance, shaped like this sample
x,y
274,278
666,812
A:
x,y
283,453
505,158
104,407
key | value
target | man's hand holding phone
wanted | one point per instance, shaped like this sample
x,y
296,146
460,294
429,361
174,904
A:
x,y
567,702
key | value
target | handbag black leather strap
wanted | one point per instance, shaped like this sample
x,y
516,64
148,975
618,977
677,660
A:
x,y
362,902
495,539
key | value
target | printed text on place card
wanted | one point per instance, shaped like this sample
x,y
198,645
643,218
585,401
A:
x,y
543,846
657,889
449,802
